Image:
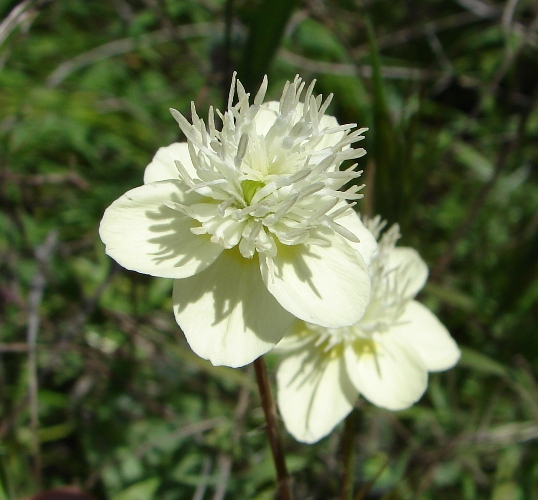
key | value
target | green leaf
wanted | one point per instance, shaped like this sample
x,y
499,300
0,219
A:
x,y
451,296
318,42
55,432
481,363
143,490
475,161
387,151
264,37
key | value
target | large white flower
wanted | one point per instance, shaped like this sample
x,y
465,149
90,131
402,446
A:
x,y
385,357
251,222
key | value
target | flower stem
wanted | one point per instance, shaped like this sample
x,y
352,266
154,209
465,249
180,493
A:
x,y
348,457
269,409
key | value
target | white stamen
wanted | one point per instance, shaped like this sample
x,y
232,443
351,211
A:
x,y
293,183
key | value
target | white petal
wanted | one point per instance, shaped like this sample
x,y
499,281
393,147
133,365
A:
x,y
294,339
314,393
329,140
142,234
163,168
328,286
367,244
392,377
266,116
226,312
428,336
412,269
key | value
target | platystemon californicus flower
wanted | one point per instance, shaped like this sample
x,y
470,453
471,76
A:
x,y
251,222
385,357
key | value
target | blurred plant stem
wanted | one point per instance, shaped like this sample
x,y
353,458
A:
x,y
269,409
227,64
43,254
348,457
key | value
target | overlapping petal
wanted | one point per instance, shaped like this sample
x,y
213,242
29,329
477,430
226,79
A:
x,y
325,285
387,354
226,312
163,167
419,327
367,244
143,234
412,270
388,373
296,337
314,393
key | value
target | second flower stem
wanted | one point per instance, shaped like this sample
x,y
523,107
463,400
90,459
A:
x,y
348,457
269,409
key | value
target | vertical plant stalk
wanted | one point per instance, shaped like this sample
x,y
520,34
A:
x,y
348,457
227,65
269,409
42,253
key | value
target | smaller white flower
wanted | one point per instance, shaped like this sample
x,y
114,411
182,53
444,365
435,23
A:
x,y
385,357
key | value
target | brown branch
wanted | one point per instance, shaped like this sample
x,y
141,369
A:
x,y
41,179
14,347
18,15
225,467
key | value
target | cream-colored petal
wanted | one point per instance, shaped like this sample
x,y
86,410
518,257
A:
x,y
295,338
329,140
142,234
226,312
412,270
266,116
367,244
163,166
314,393
388,372
428,336
328,286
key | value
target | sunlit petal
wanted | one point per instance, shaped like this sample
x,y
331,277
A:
x,y
367,244
163,166
325,285
314,393
226,312
412,270
143,234
387,372
296,337
428,336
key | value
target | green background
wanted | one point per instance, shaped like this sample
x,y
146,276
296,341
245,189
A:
x,y
98,387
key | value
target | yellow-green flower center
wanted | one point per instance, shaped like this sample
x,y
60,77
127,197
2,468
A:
x,y
250,188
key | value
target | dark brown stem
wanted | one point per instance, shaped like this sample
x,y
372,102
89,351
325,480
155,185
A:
x,y
269,409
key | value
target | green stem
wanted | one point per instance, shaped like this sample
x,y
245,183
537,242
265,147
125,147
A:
x,y
348,457
269,409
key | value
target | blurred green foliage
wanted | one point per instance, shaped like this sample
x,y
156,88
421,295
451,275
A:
x,y
125,409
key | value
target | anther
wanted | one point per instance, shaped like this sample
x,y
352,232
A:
x,y
241,150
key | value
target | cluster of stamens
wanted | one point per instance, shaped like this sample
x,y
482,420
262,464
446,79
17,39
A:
x,y
271,175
